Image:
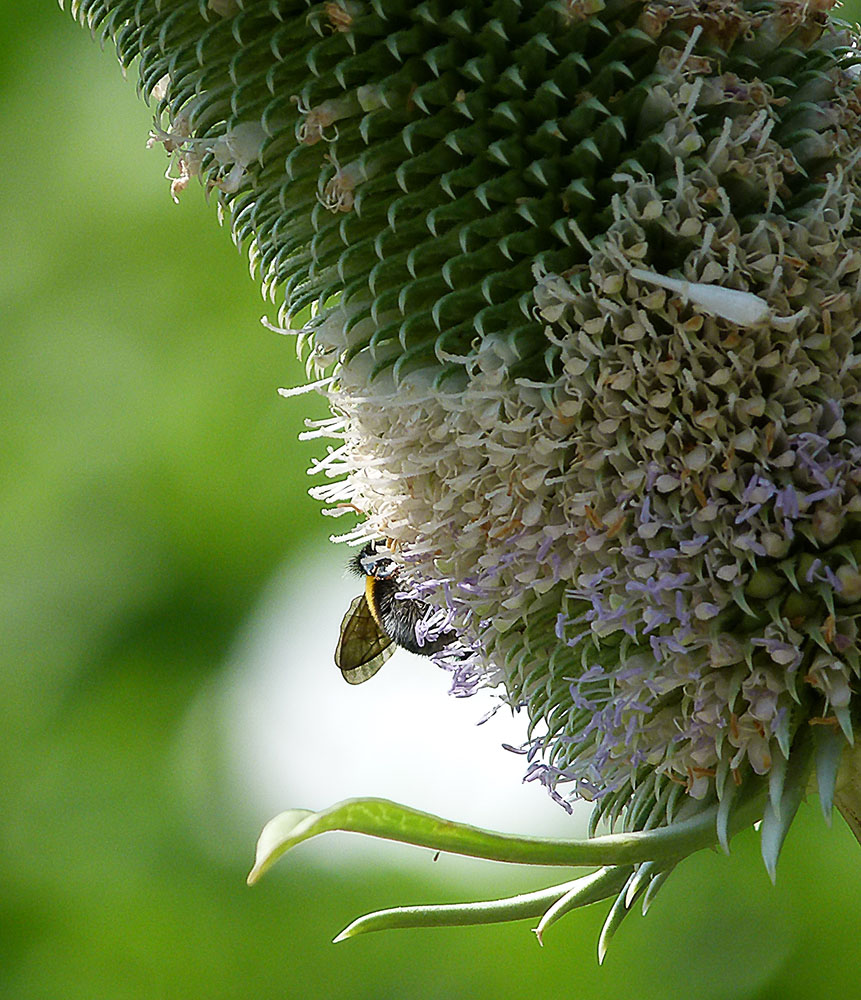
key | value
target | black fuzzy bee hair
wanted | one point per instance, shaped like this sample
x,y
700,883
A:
x,y
397,617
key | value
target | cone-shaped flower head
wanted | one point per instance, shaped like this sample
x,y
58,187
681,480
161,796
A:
x,y
585,279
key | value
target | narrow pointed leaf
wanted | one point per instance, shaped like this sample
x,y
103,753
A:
x,y
776,823
520,907
640,881
654,888
592,888
776,780
618,911
724,812
829,750
845,719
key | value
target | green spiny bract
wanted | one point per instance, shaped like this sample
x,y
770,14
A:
x,y
585,277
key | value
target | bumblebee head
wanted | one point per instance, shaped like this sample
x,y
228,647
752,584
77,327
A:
x,y
374,560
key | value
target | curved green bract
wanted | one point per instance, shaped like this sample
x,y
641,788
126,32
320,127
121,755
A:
x,y
602,884
391,821
520,907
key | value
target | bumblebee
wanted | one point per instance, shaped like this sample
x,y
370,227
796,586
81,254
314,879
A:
x,y
378,622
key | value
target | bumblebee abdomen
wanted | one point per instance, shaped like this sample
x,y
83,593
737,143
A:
x,y
398,618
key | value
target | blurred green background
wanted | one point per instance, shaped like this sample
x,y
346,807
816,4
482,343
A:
x,y
152,488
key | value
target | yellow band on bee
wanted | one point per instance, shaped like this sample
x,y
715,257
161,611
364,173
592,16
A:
x,y
371,598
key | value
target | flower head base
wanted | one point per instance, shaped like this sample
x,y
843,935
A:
x,y
650,516
585,279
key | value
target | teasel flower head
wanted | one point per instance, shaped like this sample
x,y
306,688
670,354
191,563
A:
x,y
581,281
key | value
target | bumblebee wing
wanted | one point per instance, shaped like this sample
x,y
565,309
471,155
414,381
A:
x,y
363,647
